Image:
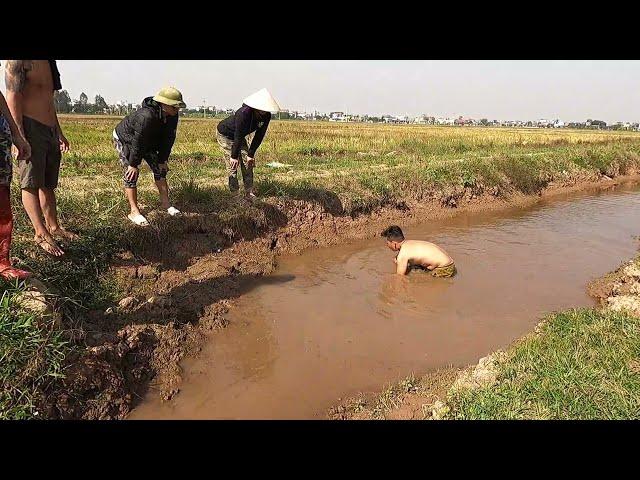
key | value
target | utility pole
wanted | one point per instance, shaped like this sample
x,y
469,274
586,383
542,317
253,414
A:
x,y
204,108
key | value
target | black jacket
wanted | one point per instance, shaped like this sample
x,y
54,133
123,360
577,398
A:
x,y
241,124
148,131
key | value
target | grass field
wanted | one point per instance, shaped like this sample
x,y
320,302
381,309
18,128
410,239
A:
x,y
583,365
347,168
366,161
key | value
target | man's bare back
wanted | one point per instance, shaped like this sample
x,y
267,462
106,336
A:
x,y
34,81
423,254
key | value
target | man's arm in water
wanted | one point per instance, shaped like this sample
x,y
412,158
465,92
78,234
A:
x,y
401,265
15,77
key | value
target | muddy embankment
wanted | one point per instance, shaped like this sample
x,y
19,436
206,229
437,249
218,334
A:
x,y
179,279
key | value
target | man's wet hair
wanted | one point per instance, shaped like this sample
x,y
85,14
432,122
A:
x,y
393,234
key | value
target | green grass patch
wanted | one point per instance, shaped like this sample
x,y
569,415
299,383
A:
x,y
32,352
584,364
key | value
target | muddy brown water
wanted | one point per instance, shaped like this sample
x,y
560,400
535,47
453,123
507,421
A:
x,y
333,322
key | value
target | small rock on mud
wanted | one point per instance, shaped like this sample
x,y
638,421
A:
x,y
147,271
632,270
485,373
630,303
35,301
127,302
160,301
439,410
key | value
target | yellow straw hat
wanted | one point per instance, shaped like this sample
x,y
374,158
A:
x,y
170,96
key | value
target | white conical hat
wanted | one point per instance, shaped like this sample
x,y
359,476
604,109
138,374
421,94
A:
x,y
262,100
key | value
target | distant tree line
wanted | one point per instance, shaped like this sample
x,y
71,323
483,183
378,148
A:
x,y
64,104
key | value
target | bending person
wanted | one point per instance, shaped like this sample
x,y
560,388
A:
x,y
231,133
149,134
418,254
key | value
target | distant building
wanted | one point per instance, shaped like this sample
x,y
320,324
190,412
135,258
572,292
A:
x,y
444,121
395,119
461,121
424,120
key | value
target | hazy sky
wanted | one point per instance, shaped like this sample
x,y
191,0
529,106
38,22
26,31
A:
x,y
569,90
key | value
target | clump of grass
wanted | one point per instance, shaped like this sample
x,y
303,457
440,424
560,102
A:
x,y
32,353
80,279
190,192
310,150
392,396
525,175
579,366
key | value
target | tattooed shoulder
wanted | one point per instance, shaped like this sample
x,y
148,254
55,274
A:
x,y
16,74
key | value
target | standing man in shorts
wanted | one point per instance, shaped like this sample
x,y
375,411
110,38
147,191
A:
x,y
30,86
9,134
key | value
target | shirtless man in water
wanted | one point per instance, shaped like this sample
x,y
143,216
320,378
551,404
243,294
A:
x,y
418,254
30,86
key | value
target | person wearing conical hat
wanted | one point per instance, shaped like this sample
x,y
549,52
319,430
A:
x,y
149,134
253,116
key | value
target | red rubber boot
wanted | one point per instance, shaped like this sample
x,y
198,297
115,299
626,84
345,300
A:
x,y
6,227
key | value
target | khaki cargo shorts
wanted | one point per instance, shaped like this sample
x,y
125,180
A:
x,y
42,169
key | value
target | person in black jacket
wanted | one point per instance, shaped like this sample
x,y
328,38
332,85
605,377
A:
x,y
149,134
253,116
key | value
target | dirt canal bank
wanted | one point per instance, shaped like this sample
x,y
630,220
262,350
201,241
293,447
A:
x,y
333,322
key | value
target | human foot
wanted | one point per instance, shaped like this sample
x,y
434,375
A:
x,y
63,234
48,244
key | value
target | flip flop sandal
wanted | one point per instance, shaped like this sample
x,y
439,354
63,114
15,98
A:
x,y
139,220
173,211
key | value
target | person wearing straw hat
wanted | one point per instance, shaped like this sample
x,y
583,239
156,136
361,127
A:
x,y
253,116
149,134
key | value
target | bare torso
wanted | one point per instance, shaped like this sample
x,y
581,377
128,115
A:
x,y
426,254
37,94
